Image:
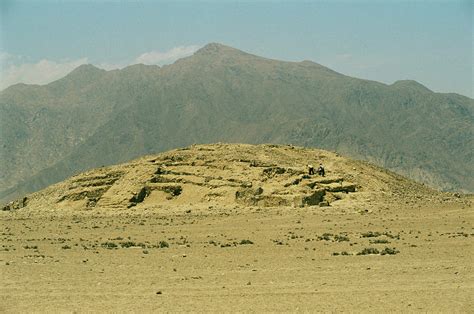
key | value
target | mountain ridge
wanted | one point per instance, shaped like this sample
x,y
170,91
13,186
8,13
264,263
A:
x,y
214,48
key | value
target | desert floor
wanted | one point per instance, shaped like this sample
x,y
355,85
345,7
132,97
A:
x,y
69,262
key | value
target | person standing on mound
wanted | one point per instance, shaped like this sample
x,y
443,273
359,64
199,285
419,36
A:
x,y
321,170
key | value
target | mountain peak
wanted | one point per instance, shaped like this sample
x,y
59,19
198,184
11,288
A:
x,y
85,72
86,68
411,84
81,76
216,48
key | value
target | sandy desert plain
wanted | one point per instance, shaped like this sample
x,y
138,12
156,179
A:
x,y
238,228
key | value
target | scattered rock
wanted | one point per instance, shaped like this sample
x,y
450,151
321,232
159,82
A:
x,y
246,184
17,204
248,195
173,190
272,171
161,179
256,163
314,198
139,197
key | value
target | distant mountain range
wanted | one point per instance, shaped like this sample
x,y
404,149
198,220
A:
x,y
94,117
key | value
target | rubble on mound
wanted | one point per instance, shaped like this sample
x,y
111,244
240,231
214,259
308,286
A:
x,y
139,197
313,192
90,188
17,204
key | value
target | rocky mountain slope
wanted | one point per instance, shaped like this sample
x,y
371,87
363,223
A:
x,y
94,117
229,175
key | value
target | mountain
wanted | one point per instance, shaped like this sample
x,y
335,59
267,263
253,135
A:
x,y
94,117
230,176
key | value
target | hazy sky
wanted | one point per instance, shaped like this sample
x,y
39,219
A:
x,y
428,41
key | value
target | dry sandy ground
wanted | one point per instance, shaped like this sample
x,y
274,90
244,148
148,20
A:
x,y
66,263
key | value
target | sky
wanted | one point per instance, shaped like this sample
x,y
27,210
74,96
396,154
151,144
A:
x,y
427,41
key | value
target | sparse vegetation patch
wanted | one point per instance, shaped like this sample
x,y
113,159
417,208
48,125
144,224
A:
x,y
379,241
371,234
163,244
389,251
374,251
368,251
109,245
245,241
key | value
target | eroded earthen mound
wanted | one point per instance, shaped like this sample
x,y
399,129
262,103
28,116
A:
x,y
228,175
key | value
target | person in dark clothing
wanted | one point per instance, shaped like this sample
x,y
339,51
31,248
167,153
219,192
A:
x,y
321,170
310,169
